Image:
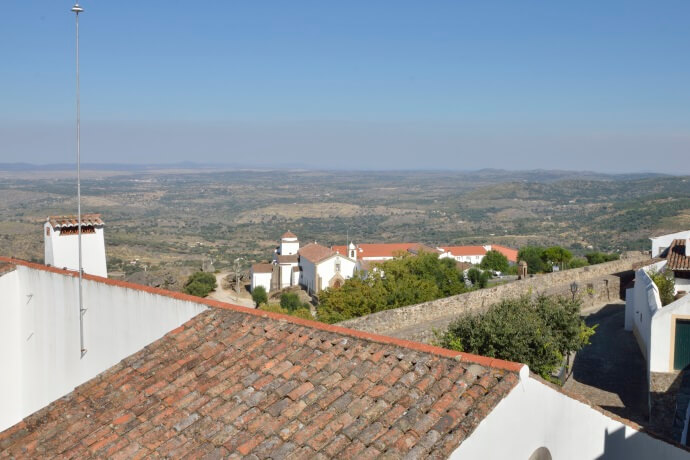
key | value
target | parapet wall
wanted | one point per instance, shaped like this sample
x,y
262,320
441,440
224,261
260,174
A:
x,y
597,285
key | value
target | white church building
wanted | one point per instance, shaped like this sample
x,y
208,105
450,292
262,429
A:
x,y
61,243
313,266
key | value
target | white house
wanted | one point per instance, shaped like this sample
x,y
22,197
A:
x,y
261,275
661,243
467,254
321,268
61,245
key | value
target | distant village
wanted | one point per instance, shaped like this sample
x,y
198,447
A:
x,y
315,267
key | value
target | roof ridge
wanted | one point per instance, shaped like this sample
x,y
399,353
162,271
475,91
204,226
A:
x,y
416,346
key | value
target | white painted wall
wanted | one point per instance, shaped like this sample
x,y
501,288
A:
x,y
261,279
662,327
285,275
682,284
62,251
10,359
40,353
535,415
289,246
662,242
327,269
645,303
308,279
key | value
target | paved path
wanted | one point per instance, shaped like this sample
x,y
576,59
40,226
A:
x,y
611,371
228,295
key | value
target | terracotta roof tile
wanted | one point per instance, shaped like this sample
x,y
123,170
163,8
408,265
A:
x,y
677,258
73,221
288,234
510,253
378,250
315,253
238,381
262,268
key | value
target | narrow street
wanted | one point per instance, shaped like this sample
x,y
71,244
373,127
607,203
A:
x,y
229,295
611,371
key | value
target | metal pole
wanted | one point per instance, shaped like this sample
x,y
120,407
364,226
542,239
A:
x,y
77,9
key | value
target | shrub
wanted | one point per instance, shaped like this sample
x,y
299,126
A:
x,y
666,284
601,257
538,332
259,295
290,301
478,278
200,284
301,312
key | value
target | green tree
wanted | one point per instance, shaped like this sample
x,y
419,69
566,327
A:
x,y
259,295
556,255
666,284
290,301
200,284
478,278
538,332
578,262
405,280
494,260
533,256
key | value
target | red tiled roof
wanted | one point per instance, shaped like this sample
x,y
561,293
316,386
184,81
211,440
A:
x,y
315,253
6,267
73,221
293,259
510,253
248,382
677,258
262,268
368,250
465,250
288,234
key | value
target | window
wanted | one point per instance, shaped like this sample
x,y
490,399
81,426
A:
x,y
337,267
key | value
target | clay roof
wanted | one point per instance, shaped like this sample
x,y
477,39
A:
x,y
510,253
6,267
252,383
677,258
73,221
262,268
315,253
465,250
420,247
378,250
288,234
293,259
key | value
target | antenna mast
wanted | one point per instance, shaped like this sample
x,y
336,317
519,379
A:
x,y
78,9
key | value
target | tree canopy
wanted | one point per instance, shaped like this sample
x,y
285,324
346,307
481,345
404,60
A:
x,y
533,256
665,282
494,260
395,283
538,332
259,295
200,284
556,255
601,257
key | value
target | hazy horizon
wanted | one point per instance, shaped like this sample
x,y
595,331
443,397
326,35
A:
x,y
390,85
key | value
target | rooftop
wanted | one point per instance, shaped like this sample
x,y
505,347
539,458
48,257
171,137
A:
x,y
378,250
73,221
315,253
465,250
289,259
288,235
237,380
262,268
677,258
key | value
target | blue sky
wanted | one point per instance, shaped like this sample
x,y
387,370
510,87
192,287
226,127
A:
x,y
360,84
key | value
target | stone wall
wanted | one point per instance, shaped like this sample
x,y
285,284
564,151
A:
x,y
597,285
663,388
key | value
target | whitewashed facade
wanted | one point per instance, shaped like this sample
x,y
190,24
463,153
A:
x,y
40,354
62,249
661,243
